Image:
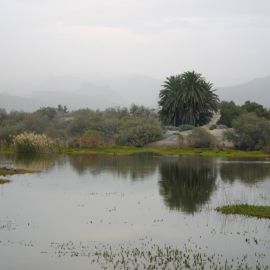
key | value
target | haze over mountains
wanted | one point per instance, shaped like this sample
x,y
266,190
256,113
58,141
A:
x,y
101,93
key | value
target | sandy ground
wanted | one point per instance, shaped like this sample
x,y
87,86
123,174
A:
x,y
171,137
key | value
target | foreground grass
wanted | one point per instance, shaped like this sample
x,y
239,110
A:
x,y
125,150
10,171
246,210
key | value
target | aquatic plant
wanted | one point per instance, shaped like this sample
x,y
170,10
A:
x,y
246,210
149,255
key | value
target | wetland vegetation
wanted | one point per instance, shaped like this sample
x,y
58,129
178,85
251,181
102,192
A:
x,y
258,211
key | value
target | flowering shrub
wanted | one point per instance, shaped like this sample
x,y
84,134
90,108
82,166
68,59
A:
x,y
33,143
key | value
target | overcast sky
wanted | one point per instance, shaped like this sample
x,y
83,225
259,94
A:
x,y
227,41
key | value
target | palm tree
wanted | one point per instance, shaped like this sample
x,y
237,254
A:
x,y
187,99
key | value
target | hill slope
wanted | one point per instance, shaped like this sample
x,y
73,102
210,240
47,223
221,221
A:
x,y
256,90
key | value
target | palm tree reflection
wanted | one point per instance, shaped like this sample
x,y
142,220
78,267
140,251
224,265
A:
x,y
187,183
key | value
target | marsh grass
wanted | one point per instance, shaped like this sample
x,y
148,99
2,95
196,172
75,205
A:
x,y
258,211
151,256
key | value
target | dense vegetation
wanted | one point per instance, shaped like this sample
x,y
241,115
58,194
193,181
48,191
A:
x,y
186,102
229,111
187,99
250,123
84,128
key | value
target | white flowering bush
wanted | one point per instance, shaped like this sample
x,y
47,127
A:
x,y
33,143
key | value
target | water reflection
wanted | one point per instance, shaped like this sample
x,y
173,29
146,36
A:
x,y
187,183
34,162
248,172
137,167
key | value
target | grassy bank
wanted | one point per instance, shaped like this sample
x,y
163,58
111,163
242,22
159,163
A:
x,y
246,210
167,151
170,151
9,171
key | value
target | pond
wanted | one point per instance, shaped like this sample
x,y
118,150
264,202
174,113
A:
x,y
101,211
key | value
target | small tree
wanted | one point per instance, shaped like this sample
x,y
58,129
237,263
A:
x,y
250,132
256,108
228,112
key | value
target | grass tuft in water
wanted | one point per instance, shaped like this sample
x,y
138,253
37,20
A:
x,y
4,181
11,171
246,210
151,256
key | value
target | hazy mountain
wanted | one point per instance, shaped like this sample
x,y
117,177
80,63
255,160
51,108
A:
x,y
100,93
94,93
138,89
19,103
256,90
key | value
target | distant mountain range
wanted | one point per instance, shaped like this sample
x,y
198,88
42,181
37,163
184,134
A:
x,y
100,93
256,90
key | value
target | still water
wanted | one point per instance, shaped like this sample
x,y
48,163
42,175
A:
x,y
56,218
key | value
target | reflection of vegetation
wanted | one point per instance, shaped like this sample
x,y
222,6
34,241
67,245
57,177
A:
x,y
246,172
187,183
34,162
4,181
246,210
134,166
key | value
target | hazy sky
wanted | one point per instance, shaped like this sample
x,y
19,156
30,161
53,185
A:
x,y
226,40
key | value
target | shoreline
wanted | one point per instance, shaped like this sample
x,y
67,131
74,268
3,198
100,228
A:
x,y
166,151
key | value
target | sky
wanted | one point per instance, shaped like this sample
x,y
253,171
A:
x,y
227,41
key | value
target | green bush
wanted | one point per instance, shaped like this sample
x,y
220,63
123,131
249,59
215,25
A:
x,y
201,138
212,127
250,132
228,112
139,134
185,127
256,108
33,143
